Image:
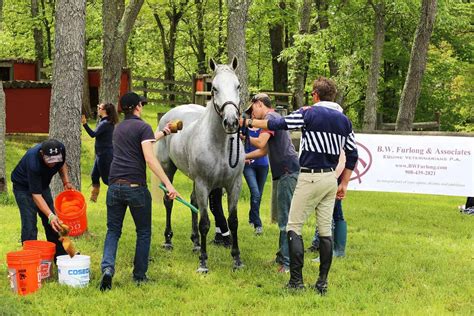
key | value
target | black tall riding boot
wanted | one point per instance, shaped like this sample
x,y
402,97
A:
x,y
296,249
325,255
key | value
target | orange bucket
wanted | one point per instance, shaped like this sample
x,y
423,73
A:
x,y
24,271
71,208
47,249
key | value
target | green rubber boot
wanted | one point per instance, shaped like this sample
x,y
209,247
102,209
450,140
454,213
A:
x,y
340,238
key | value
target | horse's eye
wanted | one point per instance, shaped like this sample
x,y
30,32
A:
x,y
214,89
238,87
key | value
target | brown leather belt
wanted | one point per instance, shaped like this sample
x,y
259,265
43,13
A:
x,y
126,183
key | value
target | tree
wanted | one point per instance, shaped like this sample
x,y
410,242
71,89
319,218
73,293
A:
x,y
300,63
371,100
1,13
411,89
169,39
117,23
48,23
37,34
277,44
66,95
236,43
197,42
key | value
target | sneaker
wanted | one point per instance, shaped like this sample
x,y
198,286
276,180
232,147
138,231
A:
x,y
106,280
316,260
258,231
284,269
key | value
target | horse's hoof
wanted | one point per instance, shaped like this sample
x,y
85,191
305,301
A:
x,y
168,246
238,265
196,248
202,270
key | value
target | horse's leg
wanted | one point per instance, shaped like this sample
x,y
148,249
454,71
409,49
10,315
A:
x,y
215,205
202,194
233,199
170,170
194,224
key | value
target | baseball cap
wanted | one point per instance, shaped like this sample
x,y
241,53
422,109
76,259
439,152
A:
x,y
263,97
52,151
129,100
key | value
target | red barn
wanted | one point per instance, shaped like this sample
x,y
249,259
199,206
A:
x,y
28,100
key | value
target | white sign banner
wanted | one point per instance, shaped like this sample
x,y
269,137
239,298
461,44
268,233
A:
x,y
414,164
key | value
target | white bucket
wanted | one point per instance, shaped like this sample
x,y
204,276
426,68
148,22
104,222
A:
x,y
74,271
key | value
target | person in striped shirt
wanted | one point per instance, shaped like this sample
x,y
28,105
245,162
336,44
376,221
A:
x,y
326,131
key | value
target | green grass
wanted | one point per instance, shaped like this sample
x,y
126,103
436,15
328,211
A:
x,y
406,254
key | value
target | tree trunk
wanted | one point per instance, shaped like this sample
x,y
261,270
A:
x,y
1,14
38,37
371,101
115,36
416,68
168,42
200,43
86,98
47,27
277,44
236,43
301,60
66,94
220,37
3,174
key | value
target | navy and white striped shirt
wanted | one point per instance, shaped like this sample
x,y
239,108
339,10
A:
x,y
325,133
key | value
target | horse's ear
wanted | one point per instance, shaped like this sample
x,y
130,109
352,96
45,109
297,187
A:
x,y
212,64
234,63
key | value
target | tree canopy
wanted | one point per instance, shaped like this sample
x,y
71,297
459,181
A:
x,y
339,44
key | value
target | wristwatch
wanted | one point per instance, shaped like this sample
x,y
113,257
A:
x,y
249,122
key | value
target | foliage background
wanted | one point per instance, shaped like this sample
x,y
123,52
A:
x,y
447,84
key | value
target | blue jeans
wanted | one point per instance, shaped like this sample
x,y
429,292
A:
x,y
28,214
102,167
285,186
255,177
138,199
338,215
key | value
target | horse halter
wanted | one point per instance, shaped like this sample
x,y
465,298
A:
x,y
220,111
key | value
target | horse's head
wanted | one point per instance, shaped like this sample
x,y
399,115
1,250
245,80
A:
x,y
225,95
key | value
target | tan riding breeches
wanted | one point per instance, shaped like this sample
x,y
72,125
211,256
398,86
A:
x,y
314,191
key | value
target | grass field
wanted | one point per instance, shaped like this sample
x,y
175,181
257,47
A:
x,y
406,254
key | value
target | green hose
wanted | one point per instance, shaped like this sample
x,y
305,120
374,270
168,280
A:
x,y
192,207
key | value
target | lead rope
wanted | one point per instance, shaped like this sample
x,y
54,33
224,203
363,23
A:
x,y
238,150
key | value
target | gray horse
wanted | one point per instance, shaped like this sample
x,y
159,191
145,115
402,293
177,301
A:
x,y
208,150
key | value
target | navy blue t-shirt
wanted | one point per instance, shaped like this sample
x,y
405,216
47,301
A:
x,y
32,174
103,135
129,162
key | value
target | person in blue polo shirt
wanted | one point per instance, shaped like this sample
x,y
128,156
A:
x,y
31,179
133,150
325,133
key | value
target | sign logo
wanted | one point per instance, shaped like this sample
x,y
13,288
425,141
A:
x,y
363,163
